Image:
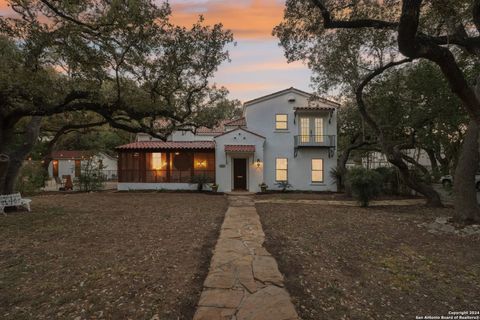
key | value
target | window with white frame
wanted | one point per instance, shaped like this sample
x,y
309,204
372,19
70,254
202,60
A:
x,y
317,170
281,121
281,169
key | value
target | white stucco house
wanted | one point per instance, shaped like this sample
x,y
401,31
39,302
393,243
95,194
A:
x,y
284,136
70,163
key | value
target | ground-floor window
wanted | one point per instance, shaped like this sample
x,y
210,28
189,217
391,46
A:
x,y
317,170
281,169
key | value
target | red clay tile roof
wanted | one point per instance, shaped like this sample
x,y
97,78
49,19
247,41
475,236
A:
x,y
219,129
240,148
237,122
243,129
315,108
71,154
184,145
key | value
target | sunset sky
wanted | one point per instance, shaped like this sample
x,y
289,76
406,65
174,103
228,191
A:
x,y
258,66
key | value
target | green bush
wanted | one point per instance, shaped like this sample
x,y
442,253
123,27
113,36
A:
x,y
390,180
284,185
91,177
31,179
365,184
201,180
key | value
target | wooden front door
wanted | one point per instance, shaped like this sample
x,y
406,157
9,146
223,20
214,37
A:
x,y
78,168
55,168
240,174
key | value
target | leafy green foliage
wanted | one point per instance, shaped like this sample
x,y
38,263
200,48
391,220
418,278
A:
x,y
31,179
91,177
283,185
365,184
200,180
123,61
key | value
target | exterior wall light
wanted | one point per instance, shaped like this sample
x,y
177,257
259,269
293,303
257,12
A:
x,y
258,163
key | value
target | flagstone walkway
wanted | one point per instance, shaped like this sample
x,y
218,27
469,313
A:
x,y
244,282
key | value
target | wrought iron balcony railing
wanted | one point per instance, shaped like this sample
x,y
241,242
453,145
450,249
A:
x,y
327,141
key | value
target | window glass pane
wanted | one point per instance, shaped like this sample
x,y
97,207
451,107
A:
x,y
319,129
317,176
317,170
281,121
281,175
305,129
317,164
282,163
157,162
281,172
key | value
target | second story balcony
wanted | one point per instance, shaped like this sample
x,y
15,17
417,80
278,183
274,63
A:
x,y
315,141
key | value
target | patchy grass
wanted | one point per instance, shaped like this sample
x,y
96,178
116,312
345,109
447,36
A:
x,y
376,263
107,255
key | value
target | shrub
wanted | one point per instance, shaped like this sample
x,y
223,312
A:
x,y
284,185
200,180
337,175
91,177
390,180
31,179
365,184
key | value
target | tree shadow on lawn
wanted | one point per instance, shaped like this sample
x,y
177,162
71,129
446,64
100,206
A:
x,y
374,263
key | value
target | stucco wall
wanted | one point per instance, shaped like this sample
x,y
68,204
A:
x,y
224,162
67,167
126,186
260,118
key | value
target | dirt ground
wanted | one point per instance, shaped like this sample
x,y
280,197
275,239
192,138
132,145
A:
x,y
375,263
108,255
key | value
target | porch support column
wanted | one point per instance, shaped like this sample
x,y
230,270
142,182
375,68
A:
x,y
168,166
192,169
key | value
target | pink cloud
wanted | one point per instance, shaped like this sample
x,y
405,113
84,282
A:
x,y
247,19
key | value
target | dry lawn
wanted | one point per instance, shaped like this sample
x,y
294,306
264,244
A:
x,y
108,255
353,263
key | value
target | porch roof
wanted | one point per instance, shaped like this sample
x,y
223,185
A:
x,y
240,148
165,145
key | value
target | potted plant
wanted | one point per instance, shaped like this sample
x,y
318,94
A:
x,y
214,187
263,186
200,180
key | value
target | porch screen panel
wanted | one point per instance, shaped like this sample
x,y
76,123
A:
x,y
181,167
318,129
204,164
304,129
156,167
130,167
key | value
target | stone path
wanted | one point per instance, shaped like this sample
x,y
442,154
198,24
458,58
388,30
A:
x,y
244,282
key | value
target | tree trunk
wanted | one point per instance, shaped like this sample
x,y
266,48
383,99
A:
x,y
395,158
465,194
4,160
355,143
433,163
18,156
393,153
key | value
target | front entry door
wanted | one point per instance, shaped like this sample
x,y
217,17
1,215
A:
x,y
240,174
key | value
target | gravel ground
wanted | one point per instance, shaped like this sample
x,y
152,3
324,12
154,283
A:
x,y
375,263
108,255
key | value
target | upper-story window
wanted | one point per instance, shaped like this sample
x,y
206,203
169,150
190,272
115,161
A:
x,y
311,129
281,121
